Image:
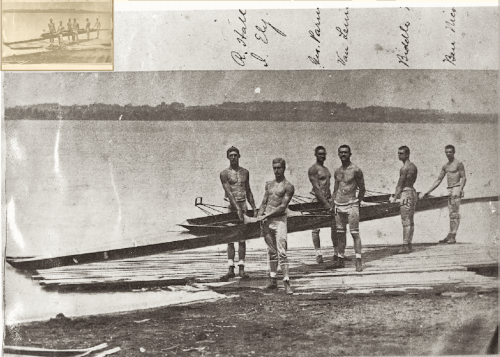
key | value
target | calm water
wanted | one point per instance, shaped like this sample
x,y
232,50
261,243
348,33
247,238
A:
x,y
77,186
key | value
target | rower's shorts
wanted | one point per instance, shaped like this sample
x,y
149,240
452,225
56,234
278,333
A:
x,y
243,205
347,214
454,200
407,206
317,230
275,235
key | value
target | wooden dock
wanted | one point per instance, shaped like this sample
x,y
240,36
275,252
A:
x,y
428,266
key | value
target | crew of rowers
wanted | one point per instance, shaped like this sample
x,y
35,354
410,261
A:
x,y
342,204
72,30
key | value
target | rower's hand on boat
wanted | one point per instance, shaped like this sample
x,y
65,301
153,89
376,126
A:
x,y
255,212
240,214
392,199
422,195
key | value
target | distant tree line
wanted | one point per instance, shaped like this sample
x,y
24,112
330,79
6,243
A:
x,y
314,111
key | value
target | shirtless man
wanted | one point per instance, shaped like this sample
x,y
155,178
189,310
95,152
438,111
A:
x,y
70,31
87,28
236,183
52,29
348,178
76,28
320,177
455,174
97,26
272,215
405,190
60,30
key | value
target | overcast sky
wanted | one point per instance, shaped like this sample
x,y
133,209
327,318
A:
x,y
453,91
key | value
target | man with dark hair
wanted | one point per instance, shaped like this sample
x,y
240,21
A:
x,y
97,26
60,30
70,31
272,214
408,195
236,183
348,179
455,174
87,28
76,30
52,30
320,177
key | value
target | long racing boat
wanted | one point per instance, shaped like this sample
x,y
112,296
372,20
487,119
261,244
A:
x,y
221,228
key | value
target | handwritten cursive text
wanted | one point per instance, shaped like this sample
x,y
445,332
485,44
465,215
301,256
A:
x,y
450,57
344,32
315,35
406,44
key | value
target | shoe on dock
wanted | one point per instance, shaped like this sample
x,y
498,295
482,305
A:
x,y
404,249
445,240
272,284
242,273
319,259
288,288
230,274
452,239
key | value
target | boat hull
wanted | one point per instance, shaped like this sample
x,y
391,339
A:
x,y
209,235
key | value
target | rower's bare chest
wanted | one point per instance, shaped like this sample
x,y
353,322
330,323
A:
x,y
345,175
236,177
324,174
451,168
277,189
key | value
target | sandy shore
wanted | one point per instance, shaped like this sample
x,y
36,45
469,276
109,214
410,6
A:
x,y
259,323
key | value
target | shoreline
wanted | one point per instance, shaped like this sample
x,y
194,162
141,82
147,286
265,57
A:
x,y
259,323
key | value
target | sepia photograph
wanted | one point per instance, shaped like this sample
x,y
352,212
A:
x,y
287,181
57,35
278,213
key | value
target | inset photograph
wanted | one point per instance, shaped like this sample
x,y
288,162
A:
x,y
57,35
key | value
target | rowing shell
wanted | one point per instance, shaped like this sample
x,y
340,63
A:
x,y
226,228
45,36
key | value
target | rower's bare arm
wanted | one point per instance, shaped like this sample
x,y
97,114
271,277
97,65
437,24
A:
x,y
402,178
463,179
360,181
250,195
335,185
318,192
264,200
227,189
287,197
438,181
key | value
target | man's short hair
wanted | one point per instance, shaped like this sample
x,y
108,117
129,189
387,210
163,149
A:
x,y
406,149
449,147
346,147
232,148
318,148
280,161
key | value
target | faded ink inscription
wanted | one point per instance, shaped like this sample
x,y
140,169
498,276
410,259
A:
x,y
261,34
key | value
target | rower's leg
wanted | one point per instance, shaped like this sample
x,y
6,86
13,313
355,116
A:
x,y
272,250
230,254
341,220
272,253
407,210
354,228
317,245
242,247
282,245
454,206
334,237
